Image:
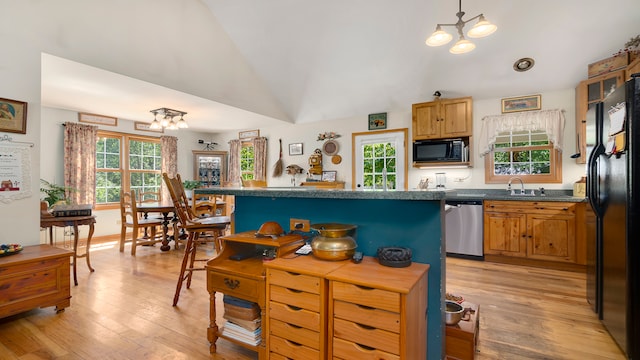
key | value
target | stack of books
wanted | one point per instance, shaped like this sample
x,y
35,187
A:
x,y
243,320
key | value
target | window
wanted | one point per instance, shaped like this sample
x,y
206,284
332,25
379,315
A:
x,y
247,161
527,154
380,160
129,162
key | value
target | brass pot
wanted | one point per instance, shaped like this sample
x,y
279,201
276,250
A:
x,y
334,242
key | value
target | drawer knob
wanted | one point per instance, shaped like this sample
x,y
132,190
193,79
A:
x,y
231,283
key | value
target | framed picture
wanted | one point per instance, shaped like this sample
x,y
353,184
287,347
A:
x,y
377,121
295,149
13,116
248,134
97,119
143,126
522,103
329,175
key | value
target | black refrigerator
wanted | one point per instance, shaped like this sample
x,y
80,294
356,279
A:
x,y
613,190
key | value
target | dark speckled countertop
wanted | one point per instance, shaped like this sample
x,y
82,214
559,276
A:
x,y
430,194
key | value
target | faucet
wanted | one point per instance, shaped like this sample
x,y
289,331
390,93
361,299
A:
x,y
522,192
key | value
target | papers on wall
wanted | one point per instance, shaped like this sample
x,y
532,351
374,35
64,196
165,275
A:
x,y
617,115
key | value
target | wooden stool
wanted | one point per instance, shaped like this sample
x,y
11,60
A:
x,y
462,338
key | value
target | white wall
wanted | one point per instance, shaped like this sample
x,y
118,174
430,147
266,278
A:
x,y
456,178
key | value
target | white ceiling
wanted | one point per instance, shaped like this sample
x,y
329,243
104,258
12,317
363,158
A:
x,y
334,59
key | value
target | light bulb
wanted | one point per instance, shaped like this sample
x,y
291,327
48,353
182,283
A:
x,y
462,46
439,37
482,28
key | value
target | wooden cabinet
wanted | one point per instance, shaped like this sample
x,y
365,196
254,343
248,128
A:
x,y
442,119
36,277
534,230
378,312
244,279
589,92
633,68
209,167
297,293
324,184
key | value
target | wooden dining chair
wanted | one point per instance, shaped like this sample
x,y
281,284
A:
x,y
194,226
204,205
130,219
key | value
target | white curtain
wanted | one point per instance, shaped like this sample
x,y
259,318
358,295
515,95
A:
x,y
550,121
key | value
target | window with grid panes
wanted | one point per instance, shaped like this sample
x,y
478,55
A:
x,y
128,162
379,160
528,155
247,161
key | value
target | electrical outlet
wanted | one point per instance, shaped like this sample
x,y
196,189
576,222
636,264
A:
x,y
300,225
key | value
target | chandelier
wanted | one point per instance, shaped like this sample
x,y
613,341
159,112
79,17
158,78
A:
x,y
166,120
481,29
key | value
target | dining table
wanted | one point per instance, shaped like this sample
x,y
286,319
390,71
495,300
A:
x,y
167,210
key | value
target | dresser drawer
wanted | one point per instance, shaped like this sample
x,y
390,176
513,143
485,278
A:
x,y
297,316
360,314
375,298
295,297
367,336
310,284
294,333
348,350
233,285
292,350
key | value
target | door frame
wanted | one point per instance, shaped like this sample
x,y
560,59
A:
x,y
403,132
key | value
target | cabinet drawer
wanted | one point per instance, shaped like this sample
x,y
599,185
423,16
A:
x,y
292,350
375,298
293,315
295,297
233,285
296,281
360,314
367,336
349,350
531,207
294,333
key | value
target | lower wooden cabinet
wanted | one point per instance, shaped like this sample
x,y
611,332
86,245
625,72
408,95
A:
x,y
534,230
341,310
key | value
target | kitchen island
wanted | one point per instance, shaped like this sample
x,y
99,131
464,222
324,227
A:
x,y
384,218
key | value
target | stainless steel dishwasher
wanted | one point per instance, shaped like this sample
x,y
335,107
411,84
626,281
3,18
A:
x,y
464,229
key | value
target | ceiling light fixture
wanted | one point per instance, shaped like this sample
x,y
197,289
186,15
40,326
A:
x,y
523,64
481,29
166,119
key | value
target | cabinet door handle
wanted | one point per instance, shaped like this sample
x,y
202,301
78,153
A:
x,y
231,283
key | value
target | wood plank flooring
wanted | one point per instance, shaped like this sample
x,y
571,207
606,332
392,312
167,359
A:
x,y
123,311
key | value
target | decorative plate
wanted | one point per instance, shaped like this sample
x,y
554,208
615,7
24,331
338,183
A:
x,y
330,147
336,159
10,249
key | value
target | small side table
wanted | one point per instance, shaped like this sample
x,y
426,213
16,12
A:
x,y
75,221
462,338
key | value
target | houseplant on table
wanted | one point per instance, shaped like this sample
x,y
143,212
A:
x,y
189,186
54,193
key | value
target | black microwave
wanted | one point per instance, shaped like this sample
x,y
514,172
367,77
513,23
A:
x,y
450,150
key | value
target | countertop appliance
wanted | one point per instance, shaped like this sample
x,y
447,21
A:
x,y
463,229
447,150
613,190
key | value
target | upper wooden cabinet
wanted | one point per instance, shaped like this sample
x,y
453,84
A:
x,y
633,68
442,119
589,92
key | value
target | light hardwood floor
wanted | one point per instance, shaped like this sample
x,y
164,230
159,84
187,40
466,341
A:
x,y
123,311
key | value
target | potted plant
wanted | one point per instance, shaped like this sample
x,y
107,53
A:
x,y
54,193
189,185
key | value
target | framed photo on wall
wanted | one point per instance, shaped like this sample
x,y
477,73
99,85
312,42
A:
x,y
522,103
295,149
377,121
97,119
143,126
13,116
248,134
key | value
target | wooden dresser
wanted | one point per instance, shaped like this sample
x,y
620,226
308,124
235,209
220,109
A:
x,y
244,279
297,319
38,276
377,311
341,310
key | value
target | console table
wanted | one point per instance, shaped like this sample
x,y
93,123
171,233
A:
x,y
244,278
38,276
75,221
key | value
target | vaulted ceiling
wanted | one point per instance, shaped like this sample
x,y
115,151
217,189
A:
x,y
334,59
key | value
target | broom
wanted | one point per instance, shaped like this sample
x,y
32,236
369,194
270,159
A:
x,y
277,168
